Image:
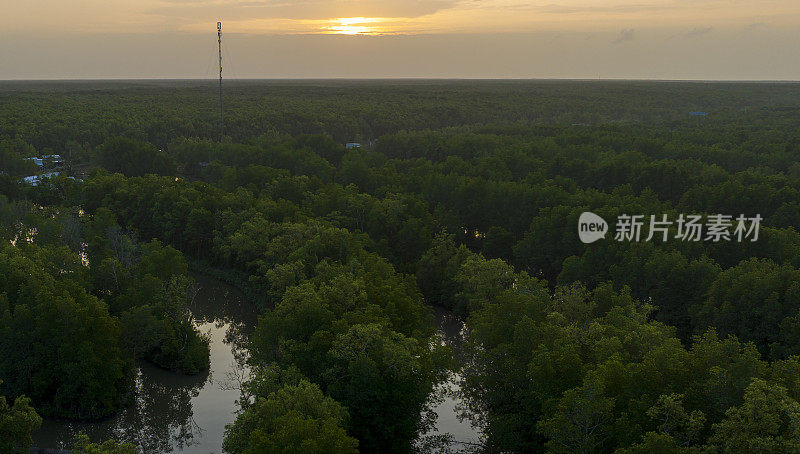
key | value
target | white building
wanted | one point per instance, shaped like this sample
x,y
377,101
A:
x,y
53,159
34,180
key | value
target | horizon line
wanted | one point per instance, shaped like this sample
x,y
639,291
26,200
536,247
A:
x,y
392,78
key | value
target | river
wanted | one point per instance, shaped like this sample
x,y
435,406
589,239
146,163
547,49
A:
x,y
188,414
464,435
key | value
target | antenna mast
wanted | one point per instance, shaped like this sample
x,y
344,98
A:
x,y
221,120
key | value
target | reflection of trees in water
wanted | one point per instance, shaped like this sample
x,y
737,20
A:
x,y
237,371
161,418
237,336
446,444
220,303
452,331
223,304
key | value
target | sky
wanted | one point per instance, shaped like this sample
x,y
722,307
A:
x,y
579,39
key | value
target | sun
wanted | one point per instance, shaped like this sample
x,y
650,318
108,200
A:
x,y
355,26
351,30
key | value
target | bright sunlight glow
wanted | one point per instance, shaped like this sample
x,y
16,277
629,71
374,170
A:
x,y
356,26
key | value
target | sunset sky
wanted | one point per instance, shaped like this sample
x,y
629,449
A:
x,y
651,39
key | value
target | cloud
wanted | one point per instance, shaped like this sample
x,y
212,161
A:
x,y
757,26
611,9
241,10
699,31
626,34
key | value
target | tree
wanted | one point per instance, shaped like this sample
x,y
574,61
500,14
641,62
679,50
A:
x,y
437,270
658,443
753,300
767,421
83,445
581,422
13,158
384,379
59,345
133,157
17,423
293,419
498,243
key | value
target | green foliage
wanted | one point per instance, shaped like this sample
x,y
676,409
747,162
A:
x,y
17,423
757,300
436,272
581,422
321,288
684,428
364,344
383,378
83,445
592,373
767,421
147,287
13,154
133,157
59,344
658,443
475,190
292,419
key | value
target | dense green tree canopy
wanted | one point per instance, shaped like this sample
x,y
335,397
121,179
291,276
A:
x,y
464,195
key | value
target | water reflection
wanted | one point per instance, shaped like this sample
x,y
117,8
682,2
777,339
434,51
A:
x,y
174,412
453,431
178,413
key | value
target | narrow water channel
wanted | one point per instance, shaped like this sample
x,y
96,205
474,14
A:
x,y
449,419
188,414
